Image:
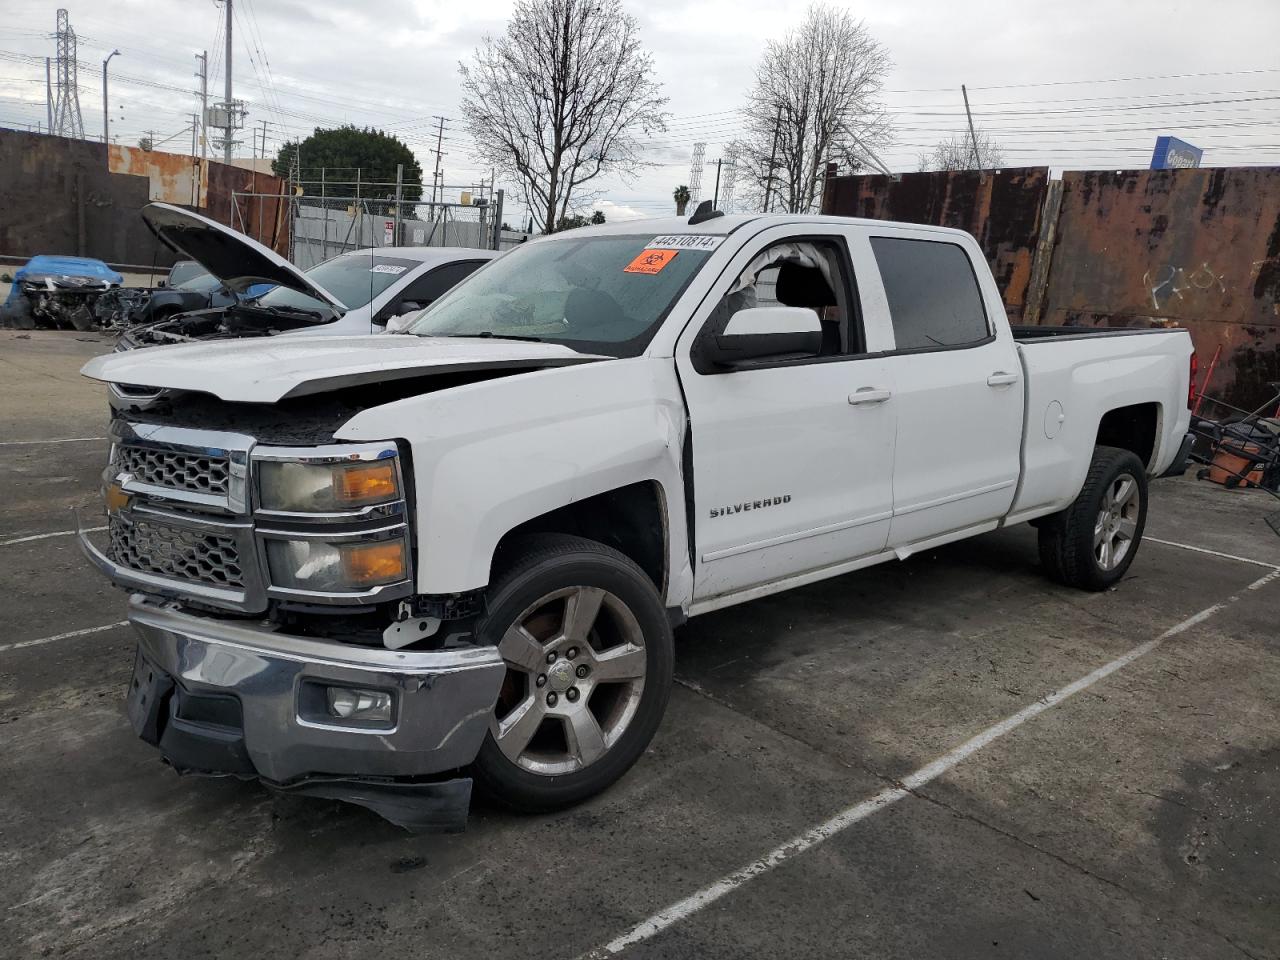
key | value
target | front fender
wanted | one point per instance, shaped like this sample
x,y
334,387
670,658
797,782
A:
x,y
489,456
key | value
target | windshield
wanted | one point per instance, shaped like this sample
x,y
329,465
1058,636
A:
x,y
353,278
184,270
201,283
599,294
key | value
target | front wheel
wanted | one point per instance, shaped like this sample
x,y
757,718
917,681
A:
x,y
588,649
1091,544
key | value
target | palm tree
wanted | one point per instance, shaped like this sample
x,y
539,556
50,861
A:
x,y
682,199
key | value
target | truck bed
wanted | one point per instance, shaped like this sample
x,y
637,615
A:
x,y
1030,334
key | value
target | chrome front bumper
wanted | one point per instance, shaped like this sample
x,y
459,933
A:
x,y
442,700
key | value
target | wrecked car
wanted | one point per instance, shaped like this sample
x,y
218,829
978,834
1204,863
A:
x,y
59,293
380,569
353,293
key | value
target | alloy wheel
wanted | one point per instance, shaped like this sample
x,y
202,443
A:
x,y
575,673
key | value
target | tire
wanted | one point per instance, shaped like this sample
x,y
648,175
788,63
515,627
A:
x,y
1091,544
541,752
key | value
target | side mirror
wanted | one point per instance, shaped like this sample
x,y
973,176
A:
x,y
759,333
161,283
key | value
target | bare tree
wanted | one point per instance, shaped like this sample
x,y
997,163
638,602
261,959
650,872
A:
x,y
957,153
815,100
561,99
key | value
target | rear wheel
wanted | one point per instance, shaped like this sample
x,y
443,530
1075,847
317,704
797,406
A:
x,y
1092,543
589,656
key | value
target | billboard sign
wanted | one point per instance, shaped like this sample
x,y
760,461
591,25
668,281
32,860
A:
x,y
1172,153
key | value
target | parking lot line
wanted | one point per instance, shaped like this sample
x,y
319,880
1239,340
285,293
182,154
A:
x,y
46,536
4,647
1213,553
20,443
690,905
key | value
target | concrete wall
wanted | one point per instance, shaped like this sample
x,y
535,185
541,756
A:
x,y
76,197
59,197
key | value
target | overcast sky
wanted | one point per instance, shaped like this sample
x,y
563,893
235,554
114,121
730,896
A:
x,y
394,64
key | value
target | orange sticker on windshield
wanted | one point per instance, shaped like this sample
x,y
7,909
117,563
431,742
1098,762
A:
x,y
650,261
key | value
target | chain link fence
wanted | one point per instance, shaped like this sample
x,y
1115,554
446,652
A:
x,y
323,225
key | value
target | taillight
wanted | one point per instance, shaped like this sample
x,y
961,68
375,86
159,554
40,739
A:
x,y
1191,381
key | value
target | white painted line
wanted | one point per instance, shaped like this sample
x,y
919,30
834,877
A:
x,y
1214,553
19,443
846,818
46,536
4,647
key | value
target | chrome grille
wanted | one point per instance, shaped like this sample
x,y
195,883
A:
x,y
166,551
191,472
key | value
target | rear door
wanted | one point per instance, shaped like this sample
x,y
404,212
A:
x,y
792,461
958,392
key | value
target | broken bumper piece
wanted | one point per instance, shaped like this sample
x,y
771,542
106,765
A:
x,y
221,698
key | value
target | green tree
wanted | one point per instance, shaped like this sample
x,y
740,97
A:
x,y
572,222
340,151
681,196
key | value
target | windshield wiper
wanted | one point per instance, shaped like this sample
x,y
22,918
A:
x,y
296,311
490,335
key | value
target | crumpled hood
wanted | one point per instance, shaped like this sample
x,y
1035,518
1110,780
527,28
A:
x,y
262,370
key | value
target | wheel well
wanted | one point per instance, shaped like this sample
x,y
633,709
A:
x,y
631,519
1131,428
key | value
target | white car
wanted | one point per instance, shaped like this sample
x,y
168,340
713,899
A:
x,y
353,293
378,568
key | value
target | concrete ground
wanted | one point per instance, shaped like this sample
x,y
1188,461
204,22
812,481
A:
x,y
1136,818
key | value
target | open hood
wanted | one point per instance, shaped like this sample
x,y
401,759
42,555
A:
x,y
238,261
268,370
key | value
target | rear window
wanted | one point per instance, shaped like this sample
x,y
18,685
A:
x,y
933,294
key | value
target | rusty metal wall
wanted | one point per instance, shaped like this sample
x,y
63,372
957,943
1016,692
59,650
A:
x,y
76,197
1198,248
1001,209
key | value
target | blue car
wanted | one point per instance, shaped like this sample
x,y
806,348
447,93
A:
x,y
57,292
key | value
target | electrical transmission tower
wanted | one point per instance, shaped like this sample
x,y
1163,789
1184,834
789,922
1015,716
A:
x,y
730,176
695,174
66,105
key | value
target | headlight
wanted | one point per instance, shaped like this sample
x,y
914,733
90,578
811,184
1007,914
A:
x,y
318,565
294,487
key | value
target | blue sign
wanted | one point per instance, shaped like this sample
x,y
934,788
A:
x,y
1172,153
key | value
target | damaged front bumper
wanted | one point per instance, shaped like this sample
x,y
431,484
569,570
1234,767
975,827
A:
x,y
233,698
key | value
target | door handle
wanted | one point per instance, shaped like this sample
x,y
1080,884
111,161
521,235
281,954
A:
x,y
1001,379
868,395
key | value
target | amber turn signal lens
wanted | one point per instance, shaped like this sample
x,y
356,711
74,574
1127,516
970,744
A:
x,y
365,483
366,564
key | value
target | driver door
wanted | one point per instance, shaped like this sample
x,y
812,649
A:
x,y
792,461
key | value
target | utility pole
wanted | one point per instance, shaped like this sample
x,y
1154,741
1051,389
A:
x,y
106,113
715,202
264,139
773,159
48,93
226,143
977,161
203,74
399,198
435,177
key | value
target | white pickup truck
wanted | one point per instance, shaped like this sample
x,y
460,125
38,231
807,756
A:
x,y
379,568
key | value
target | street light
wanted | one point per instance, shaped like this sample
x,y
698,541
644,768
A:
x,y
105,114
